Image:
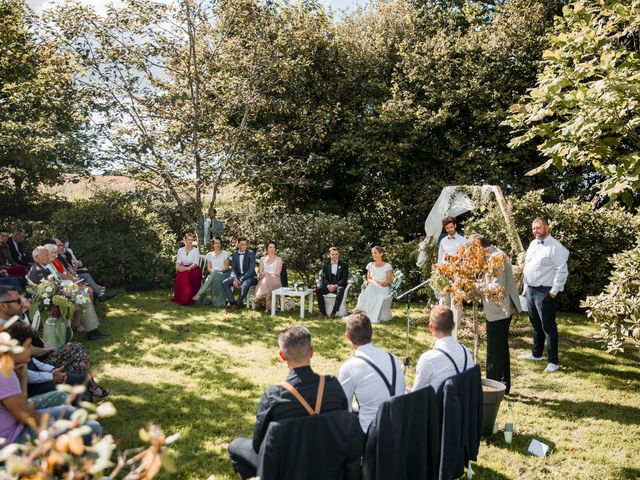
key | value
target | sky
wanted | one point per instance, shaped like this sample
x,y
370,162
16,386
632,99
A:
x,y
99,4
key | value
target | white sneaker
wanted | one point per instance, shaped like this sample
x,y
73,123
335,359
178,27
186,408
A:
x,y
529,356
551,367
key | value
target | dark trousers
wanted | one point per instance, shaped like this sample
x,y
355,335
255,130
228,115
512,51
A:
x,y
227,284
498,364
50,386
321,291
243,457
542,313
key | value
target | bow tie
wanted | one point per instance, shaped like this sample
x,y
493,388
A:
x,y
540,242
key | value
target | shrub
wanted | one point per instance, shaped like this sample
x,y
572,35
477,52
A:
x,y
303,238
617,309
591,234
116,239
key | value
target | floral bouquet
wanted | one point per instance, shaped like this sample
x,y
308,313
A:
x,y
57,300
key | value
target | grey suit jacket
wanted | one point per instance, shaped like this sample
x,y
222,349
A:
x,y
37,273
511,302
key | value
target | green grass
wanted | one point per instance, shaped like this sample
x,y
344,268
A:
x,y
201,372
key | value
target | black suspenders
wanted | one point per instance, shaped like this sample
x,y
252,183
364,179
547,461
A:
x,y
391,386
464,350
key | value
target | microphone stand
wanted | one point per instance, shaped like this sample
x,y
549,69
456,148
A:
x,y
405,361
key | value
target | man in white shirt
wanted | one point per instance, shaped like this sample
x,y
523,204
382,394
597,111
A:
x,y
449,245
545,274
447,358
372,374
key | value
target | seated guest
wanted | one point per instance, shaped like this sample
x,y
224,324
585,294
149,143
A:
x,y
71,358
6,279
334,278
436,365
7,262
50,366
279,401
16,246
243,274
84,320
371,375
17,416
379,278
218,266
61,264
188,273
269,269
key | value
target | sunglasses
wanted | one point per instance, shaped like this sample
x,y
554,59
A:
x,y
17,300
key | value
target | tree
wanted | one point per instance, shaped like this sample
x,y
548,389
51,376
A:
x,y
584,107
172,84
44,114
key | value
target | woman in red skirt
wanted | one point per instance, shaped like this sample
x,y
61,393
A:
x,y
188,273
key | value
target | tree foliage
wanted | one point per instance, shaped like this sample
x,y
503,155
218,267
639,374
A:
x,y
44,112
584,110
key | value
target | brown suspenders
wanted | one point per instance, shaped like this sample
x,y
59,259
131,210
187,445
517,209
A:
x,y
301,399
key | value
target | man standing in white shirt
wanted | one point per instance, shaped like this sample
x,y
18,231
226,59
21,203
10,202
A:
x,y
545,274
447,358
449,245
372,374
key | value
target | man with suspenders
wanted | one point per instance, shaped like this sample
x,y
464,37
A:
x,y
447,358
371,375
303,393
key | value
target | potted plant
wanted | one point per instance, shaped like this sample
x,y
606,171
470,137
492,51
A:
x,y
471,276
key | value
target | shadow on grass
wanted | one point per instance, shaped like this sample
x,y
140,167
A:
x,y
486,473
520,442
206,424
573,410
628,473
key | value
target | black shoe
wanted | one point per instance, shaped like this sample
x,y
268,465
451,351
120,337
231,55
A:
x,y
107,296
94,335
102,334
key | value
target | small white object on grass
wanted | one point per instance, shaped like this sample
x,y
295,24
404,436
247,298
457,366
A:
x,y
537,448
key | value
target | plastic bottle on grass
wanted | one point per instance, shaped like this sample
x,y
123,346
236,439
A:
x,y
508,426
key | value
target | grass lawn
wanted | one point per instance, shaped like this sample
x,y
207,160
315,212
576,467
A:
x,y
201,372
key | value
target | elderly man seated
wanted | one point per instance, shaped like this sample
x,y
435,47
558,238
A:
x,y
62,264
85,320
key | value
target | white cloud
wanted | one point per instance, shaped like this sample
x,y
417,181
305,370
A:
x,y
100,5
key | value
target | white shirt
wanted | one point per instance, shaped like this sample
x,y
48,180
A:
x,y
183,259
241,260
334,268
217,261
17,249
359,378
434,367
44,373
450,245
545,265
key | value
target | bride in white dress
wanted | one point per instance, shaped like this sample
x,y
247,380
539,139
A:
x,y
379,278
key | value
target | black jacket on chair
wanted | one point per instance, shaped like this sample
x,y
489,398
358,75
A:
x,y
403,442
460,398
319,447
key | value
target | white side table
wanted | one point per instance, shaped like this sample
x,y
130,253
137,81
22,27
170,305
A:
x,y
289,292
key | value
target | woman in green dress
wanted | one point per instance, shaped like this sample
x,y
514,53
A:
x,y
218,266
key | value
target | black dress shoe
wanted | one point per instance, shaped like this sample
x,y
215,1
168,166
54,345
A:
x,y
107,296
94,335
102,334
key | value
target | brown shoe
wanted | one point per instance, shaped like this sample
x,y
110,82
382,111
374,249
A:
x,y
333,315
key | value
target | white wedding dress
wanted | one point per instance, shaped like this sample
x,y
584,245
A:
x,y
371,299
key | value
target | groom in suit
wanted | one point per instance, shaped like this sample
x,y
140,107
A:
x,y
335,274
243,274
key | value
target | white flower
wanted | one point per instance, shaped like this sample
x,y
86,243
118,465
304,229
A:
x,y
46,301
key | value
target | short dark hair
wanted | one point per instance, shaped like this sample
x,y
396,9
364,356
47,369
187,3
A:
x,y
441,317
4,230
47,241
213,210
242,239
359,328
334,248
269,242
542,219
20,331
449,219
295,343
18,230
213,239
6,289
